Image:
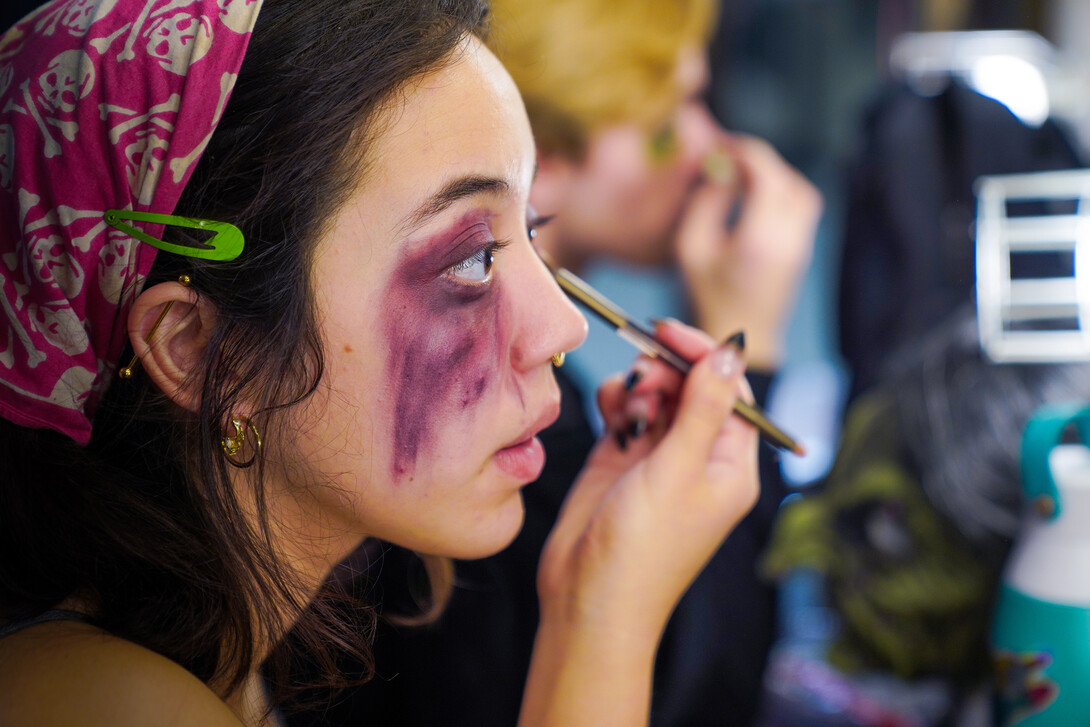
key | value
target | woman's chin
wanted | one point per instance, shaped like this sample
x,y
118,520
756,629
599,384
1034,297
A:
x,y
489,539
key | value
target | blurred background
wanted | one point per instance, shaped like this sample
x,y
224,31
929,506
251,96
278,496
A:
x,y
809,75
893,109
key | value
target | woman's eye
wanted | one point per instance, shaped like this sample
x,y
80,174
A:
x,y
476,268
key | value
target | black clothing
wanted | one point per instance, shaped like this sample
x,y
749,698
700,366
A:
x,y
470,667
55,614
909,252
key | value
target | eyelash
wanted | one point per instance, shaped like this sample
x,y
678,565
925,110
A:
x,y
485,255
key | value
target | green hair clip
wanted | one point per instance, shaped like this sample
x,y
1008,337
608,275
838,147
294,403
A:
x,y
225,244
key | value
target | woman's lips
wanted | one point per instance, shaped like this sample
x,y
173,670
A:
x,y
525,459
522,461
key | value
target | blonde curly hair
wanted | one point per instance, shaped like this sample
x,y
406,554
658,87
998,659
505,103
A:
x,y
585,64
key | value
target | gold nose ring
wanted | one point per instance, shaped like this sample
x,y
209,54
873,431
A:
x,y
558,359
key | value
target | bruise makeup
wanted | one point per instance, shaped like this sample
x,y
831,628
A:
x,y
446,325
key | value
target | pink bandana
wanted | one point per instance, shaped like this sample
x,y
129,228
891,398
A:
x,y
104,104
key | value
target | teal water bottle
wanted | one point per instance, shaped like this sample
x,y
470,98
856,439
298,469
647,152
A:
x,y
1041,630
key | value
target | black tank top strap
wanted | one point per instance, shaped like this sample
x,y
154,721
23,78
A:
x,y
55,614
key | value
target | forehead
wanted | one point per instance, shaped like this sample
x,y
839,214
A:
x,y
466,118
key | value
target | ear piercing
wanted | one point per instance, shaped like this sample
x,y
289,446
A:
x,y
233,444
558,359
126,373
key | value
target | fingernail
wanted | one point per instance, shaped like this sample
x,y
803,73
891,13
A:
x,y
622,440
727,361
738,340
658,321
633,378
636,427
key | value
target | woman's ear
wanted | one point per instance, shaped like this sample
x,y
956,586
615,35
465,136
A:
x,y
169,326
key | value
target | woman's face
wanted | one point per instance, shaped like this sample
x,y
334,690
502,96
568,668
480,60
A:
x,y
625,198
438,358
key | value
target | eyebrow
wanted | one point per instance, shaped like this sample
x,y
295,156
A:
x,y
454,191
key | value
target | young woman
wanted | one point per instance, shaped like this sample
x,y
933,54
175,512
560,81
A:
x,y
635,169
375,361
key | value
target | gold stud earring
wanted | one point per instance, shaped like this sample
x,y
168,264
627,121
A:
x,y
235,443
558,359
126,373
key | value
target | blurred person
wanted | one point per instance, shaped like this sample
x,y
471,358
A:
x,y
635,167
632,167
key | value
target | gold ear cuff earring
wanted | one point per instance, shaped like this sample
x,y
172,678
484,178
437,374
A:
x,y
558,359
127,372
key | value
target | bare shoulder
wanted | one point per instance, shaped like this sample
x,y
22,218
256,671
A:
x,y
66,672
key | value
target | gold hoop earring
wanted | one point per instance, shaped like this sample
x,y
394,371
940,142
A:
x,y
558,359
234,444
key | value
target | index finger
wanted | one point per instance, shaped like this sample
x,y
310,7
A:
x,y
690,343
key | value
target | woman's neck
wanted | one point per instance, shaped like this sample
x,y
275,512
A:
x,y
250,703
309,542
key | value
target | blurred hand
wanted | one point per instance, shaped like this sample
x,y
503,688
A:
x,y
651,508
747,277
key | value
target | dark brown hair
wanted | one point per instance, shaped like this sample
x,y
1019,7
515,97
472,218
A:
x,y
143,523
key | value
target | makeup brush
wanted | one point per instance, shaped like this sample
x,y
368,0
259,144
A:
x,y
644,339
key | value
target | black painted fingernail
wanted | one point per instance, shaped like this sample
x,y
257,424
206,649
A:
x,y
738,340
637,427
622,440
727,361
633,378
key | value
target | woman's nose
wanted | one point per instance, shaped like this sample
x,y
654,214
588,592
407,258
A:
x,y
547,321
700,131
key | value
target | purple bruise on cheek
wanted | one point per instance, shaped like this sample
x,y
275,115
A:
x,y
446,351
